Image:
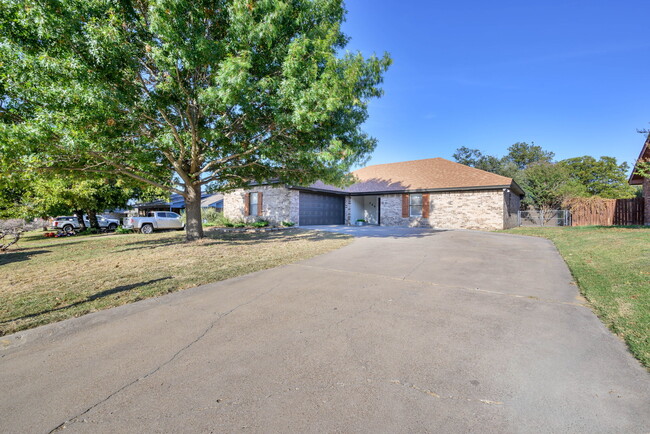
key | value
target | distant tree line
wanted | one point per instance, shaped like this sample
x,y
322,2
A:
x,y
547,182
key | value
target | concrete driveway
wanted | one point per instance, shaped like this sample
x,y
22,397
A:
x,y
450,331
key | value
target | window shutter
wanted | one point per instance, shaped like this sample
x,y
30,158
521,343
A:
x,y
425,205
247,204
259,203
405,205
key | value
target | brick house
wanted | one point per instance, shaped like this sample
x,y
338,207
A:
x,y
645,182
433,192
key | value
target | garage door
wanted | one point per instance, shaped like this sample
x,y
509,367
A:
x,y
321,209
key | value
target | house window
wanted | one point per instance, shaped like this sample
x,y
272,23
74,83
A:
x,y
415,205
252,204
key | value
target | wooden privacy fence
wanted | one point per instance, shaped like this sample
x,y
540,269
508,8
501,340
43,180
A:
x,y
606,212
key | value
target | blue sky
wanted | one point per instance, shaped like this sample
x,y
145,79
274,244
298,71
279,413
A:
x,y
571,76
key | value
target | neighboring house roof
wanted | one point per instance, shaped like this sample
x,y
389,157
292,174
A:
x,y
643,156
177,201
421,175
213,200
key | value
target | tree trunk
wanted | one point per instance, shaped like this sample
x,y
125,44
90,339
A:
x,y
193,223
80,218
92,217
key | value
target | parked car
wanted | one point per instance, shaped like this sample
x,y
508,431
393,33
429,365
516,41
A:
x,y
154,221
70,223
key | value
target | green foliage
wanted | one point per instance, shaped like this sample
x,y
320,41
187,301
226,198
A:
x,y
547,184
30,193
522,155
642,168
121,230
260,224
182,94
287,224
88,231
238,225
519,156
603,177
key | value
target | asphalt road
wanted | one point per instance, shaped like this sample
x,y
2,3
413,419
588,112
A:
x,y
421,331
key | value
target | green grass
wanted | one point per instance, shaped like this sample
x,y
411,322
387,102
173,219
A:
x,y
612,268
50,279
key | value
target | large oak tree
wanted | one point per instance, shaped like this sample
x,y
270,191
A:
x,y
184,94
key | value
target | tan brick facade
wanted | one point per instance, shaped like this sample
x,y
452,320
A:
x,y
479,209
476,209
278,204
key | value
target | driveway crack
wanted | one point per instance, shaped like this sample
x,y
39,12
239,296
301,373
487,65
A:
x,y
74,419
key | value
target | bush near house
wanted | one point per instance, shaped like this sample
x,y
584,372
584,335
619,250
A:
x,y
611,265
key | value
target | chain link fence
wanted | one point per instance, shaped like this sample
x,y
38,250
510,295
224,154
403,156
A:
x,y
538,217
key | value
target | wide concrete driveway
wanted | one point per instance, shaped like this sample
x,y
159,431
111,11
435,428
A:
x,y
418,331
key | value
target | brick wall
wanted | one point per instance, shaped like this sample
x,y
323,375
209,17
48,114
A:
x,y
646,200
278,204
483,210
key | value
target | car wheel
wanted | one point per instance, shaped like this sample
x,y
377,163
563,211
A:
x,y
68,228
146,229
112,227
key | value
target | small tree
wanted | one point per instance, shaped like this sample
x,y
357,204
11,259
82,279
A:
x,y
546,185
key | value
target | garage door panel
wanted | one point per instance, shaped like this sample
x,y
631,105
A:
x,y
321,209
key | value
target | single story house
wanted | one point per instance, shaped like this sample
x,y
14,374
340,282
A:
x,y
636,179
433,192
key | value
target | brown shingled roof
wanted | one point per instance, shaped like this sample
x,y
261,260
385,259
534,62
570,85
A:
x,y
429,174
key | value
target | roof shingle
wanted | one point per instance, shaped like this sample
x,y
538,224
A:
x,y
428,174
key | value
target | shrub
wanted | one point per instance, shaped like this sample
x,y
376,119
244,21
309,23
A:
x,y
260,224
238,225
122,230
88,231
287,224
212,217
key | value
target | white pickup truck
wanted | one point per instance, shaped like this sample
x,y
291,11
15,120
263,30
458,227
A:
x,y
154,221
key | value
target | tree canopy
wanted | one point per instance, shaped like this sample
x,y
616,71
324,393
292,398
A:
x,y
603,177
545,181
520,155
184,94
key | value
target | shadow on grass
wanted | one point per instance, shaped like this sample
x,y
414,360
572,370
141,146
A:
x,y
93,297
20,255
611,227
216,237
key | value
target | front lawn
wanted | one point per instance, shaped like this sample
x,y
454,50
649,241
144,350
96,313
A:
x,y
612,267
50,279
